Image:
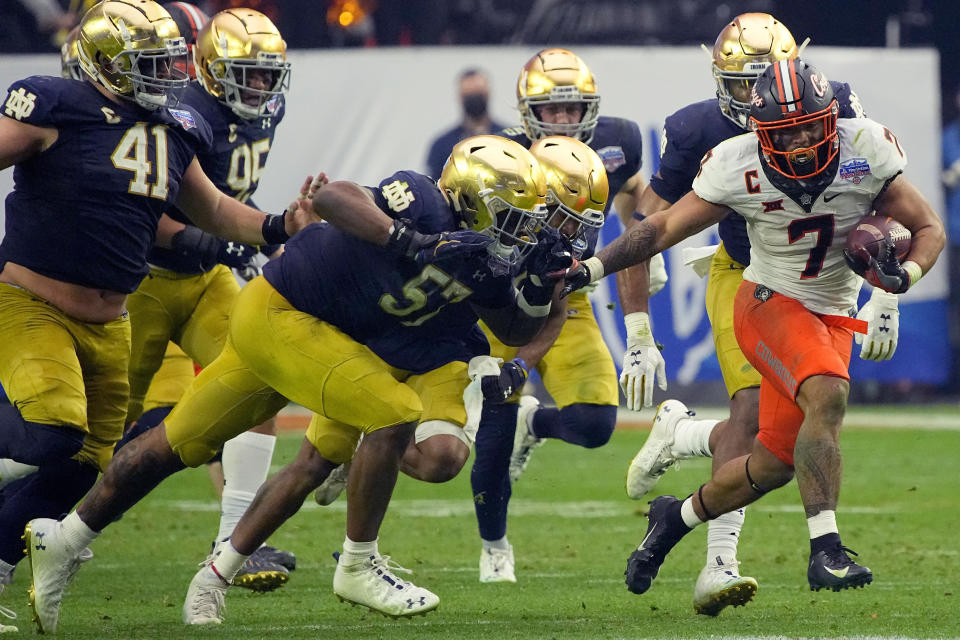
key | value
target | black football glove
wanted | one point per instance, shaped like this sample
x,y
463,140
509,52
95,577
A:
x,y
457,246
497,389
211,250
545,265
575,278
407,242
885,270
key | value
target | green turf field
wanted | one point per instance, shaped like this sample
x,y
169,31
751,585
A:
x,y
572,530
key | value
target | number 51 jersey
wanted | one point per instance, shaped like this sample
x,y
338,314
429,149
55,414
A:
x,y
797,231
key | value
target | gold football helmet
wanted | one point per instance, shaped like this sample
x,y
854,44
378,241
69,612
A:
x,y
497,187
577,187
134,49
241,59
745,47
557,76
69,57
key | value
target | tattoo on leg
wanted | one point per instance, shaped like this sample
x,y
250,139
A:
x,y
818,467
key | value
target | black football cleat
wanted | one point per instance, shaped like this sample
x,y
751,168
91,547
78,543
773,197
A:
x,y
279,556
833,569
644,563
259,573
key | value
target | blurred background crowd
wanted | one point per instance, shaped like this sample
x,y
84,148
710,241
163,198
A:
x,y
33,26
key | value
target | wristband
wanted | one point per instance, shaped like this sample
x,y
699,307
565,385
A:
x,y
638,326
913,270
594,267
274,229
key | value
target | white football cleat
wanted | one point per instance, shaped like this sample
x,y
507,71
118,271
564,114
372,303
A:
x,y
53,564
331,488
655,457
496,565
373,584
524,442
720,585
205,602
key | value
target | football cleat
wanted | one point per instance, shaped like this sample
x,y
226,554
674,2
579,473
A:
x,y
331,488
644,563
496,565
833,569
373,584
259,573
720,585
656,456
205,598
524,442
7,613
283,558
53,564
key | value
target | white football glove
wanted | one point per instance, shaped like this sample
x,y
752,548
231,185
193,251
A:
x,y
642,363
883,326
658,273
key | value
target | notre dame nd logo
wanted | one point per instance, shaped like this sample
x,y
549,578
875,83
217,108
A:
x,y
398,195
20,104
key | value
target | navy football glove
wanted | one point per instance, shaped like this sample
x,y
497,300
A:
x,y
497,389
407,242
552,255
211,250
454,245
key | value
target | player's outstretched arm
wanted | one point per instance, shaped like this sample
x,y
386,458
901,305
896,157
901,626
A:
x,y
903,202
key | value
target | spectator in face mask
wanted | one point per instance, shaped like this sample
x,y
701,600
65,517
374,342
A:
x,y
474,91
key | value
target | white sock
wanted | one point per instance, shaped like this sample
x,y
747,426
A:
x,y
823,523
723,534
76,532
11,470
690,517
355,552
246,463
228,561
496,544
692,438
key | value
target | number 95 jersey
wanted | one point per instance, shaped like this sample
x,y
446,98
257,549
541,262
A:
x,y
85,211
797,231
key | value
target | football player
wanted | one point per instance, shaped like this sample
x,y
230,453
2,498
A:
x,y
242,74
557,94
808,182
97,162
395,253
747,45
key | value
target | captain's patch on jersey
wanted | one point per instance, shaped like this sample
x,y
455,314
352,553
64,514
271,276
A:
x,y
854,170
185,118
613,158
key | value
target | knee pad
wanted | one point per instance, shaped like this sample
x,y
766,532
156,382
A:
x,y
590,424
440,427
336,446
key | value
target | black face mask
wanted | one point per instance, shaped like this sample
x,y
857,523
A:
x,y
475,105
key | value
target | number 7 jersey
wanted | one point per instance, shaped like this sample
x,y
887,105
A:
x,y
797,230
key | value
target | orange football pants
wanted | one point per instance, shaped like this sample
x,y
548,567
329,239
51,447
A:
x,y
787,343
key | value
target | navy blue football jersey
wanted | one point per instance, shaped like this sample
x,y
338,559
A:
x,y
619,144
695,129
404,311
234,162
85,210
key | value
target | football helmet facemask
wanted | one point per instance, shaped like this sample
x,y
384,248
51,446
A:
x,y
69,57
134,50
242,60
794,114
497,187
559,78
745,47
577,187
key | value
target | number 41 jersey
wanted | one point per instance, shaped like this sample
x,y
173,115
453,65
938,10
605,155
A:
x,y
797,238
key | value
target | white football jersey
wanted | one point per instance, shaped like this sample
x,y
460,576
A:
x,y
793,252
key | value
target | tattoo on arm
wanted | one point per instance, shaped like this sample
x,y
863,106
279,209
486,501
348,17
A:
x,y
636,245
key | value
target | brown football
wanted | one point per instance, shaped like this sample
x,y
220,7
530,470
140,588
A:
x,y
865,239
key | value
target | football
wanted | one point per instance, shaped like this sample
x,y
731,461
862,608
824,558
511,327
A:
x,y
865,239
